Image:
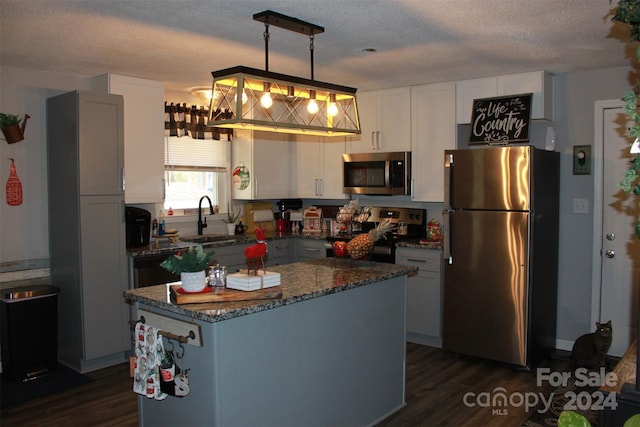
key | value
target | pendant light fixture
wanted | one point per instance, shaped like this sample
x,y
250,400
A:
x,y
277,102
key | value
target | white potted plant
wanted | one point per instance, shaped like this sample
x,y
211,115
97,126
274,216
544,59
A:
x,y
191,265
232,217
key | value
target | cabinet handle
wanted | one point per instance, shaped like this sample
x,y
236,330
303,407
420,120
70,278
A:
x,y
373,145
320,187
378,139
413,196
417,260
122,183
255,187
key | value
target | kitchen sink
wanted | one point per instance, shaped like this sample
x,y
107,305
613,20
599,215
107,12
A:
x,y
210,239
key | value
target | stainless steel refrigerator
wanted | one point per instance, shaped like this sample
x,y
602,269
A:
x,y
501,253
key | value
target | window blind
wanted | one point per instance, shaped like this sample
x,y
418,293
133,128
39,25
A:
x,y
188,153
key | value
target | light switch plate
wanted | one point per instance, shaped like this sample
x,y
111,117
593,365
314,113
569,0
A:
x,y
580,206
582,160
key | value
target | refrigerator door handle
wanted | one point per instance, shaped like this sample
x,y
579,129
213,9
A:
x,y
448,234
448,180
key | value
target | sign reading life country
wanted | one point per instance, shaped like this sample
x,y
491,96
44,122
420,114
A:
x,y
501,120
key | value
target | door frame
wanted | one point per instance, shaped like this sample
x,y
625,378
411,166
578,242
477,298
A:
x,y
598,153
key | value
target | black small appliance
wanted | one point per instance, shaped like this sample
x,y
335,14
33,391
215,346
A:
x,y
138,227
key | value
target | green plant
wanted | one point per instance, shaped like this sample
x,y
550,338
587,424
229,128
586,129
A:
x,y
231,215
572,419
628,12
7,120
188,261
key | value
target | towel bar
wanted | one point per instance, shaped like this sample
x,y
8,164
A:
x,y
180,338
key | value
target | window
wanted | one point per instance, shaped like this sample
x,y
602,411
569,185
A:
x,y
195,168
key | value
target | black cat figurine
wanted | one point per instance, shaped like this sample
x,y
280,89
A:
x,y
590,350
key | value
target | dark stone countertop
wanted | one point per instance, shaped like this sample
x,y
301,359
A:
x,y
299,282
165,246
420,244
247,238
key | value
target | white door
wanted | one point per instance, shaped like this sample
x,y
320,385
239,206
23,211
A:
x,y
620,248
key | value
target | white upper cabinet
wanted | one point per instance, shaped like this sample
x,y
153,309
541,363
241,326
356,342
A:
x,y
263,160
539,83
433,130
143,135
468,90
385,121
318,172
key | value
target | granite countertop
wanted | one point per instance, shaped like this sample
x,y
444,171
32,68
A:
x,y
164,246
420,244
299,282
248,238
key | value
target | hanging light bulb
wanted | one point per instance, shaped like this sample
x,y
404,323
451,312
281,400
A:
x,y
265,99
244,97
332,109
312,106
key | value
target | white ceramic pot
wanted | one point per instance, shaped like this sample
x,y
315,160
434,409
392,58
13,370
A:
x,y
193,282
231,229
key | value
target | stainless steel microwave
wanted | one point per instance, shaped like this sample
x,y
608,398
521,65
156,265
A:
x,y
377,173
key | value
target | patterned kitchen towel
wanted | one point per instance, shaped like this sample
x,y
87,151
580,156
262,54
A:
x,y
149,352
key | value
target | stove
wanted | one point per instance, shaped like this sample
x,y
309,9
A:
x,y
408,224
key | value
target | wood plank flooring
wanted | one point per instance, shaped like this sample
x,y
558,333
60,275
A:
x,y
436,384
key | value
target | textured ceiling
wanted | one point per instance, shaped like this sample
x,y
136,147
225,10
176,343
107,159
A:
x,y
418,41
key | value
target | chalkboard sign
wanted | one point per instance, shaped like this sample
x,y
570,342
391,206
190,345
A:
x,y
501,120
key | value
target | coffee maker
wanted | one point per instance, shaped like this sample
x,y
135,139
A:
x,y
138,227
283,217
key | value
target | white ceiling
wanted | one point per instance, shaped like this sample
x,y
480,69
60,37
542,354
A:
x,y
418,41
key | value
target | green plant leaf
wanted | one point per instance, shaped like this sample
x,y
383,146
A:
x,y
188,261
634,421
572,419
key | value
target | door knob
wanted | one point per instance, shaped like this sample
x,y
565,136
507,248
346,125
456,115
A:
x,y
611,236
610,253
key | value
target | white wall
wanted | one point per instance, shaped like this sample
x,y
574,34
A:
x,y
576,94
24,229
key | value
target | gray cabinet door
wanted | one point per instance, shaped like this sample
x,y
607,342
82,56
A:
x,y
101,143
104,276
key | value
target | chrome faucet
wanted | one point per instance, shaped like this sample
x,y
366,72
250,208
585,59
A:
x,y
203,224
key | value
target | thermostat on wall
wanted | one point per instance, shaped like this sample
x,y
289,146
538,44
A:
x,y
582,160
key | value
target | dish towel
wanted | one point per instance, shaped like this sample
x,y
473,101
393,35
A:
x,y
149,353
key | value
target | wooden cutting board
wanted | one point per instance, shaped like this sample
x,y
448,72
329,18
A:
x,y
226,295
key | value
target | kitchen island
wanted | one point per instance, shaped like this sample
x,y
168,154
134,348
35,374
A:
x,y
331,351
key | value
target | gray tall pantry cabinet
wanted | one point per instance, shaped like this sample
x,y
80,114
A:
x,y
88,261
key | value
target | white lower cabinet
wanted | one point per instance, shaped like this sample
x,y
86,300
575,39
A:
x,y
424,295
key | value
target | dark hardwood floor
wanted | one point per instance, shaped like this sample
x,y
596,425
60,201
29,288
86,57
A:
x,y
436,384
